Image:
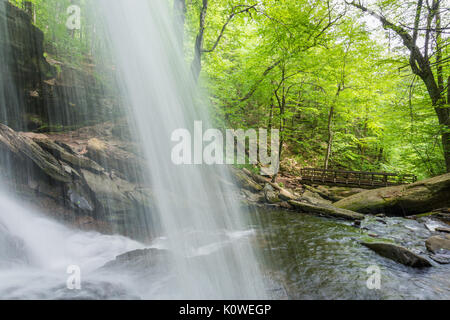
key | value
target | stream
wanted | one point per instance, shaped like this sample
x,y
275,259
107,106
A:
x,y
320,258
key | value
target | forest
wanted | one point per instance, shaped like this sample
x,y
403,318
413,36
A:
x,y
351,85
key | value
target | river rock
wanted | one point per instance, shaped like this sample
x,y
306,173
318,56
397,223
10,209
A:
x,y
286,195
256,177
314,197
442,214
326,210
443,229
80,198
437,244
139,260
398,253
419,197
271,195
253,197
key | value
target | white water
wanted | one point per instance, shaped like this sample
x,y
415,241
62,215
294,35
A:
x,y
35,252
197,212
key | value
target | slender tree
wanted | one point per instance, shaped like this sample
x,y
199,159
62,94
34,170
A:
x,y
421,61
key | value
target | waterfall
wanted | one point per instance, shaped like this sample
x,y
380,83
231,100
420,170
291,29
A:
x,y
35,251
198,214
198,217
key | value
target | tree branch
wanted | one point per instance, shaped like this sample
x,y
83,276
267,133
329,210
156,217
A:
x,y
232,15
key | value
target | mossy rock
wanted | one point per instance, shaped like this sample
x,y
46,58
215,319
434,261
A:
x,y
419,197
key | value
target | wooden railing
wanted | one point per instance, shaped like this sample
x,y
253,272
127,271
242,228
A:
x,y
354,178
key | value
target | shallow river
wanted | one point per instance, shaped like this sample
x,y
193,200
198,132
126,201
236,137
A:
x,y
319,258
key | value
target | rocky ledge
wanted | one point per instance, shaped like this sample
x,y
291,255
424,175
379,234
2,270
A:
x,y
259,190
89,177
417,241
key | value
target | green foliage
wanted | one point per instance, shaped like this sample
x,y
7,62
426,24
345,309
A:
x,y
70,46
376,124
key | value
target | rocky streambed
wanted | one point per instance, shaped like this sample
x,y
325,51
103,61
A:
x,y
320,258
418,241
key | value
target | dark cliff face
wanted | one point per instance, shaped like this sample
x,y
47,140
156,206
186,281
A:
x,y
42,94
23,66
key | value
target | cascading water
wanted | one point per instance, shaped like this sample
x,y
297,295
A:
x,y
35,253
202,226
198,214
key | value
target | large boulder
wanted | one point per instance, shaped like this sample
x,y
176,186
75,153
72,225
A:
x,y
271,195
325,210
339,193
320,192
419,197
398,253
437,244
138,260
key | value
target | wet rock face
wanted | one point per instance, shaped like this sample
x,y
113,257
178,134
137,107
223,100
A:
x,y
40,94
23,67
68,183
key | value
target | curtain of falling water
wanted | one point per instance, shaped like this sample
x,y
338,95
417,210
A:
x,y
199,215
9,104
34,250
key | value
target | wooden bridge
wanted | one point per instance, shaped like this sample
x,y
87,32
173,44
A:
x,y
361,179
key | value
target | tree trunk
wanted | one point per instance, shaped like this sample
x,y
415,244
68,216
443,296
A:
x,y
196,66
330,137
179,12
330,124
442,106
270,115
421,65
